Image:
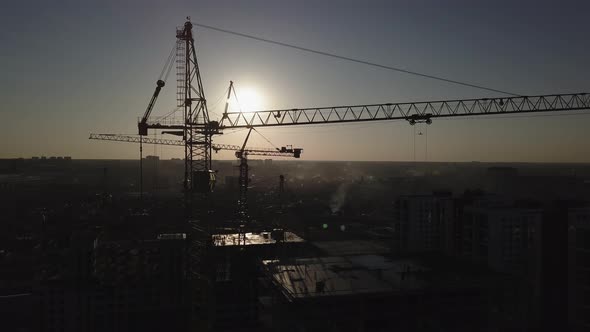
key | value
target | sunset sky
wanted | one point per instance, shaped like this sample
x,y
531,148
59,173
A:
x,y
69,68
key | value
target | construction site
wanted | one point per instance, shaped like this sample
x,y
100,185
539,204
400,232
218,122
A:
x,y
230,259
258,244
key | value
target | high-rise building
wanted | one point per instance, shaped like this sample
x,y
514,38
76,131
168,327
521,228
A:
x,y
117,285
506,239
230,301
579,269
424,223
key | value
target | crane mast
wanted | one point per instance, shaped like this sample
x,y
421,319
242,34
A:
x,y
243,179
197,129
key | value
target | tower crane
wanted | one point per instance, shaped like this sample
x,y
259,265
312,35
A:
x,y
197,129
284,151
242,155
240,152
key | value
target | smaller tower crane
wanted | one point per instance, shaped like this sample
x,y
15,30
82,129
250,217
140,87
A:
x,y
241,152
242,155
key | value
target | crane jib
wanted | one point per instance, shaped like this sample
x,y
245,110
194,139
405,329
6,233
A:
x,y
253,151
412,112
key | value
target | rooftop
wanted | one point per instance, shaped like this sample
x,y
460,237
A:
x,y
317,277
334,275
172,236
350,247
261,238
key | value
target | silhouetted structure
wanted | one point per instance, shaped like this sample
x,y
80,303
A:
x,y
578,269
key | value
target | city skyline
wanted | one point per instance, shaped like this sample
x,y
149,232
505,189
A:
x,y
263,165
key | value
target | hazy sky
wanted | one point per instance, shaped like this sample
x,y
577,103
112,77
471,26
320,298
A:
x,y
69,68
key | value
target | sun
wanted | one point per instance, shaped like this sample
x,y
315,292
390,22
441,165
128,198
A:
x,y
250,99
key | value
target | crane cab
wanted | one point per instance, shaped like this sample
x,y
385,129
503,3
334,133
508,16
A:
x,y
143,128
289,149
203,181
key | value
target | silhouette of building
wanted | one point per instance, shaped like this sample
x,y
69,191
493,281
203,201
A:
x,y
503,238
578,269
117,285
507,239
424,223
229,300
372,293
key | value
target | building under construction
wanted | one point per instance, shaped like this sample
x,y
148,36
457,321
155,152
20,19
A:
x,y
373,293
229,295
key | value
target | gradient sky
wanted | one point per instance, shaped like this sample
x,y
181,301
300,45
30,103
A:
x,y
69,68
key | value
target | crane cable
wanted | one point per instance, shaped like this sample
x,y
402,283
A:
x,y
254,128
163,117
213,106
414,137
269,142
426,143
168,65
167,69
365,62
237,101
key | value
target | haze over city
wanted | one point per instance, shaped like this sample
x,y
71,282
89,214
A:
x,y
245,166
76,67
